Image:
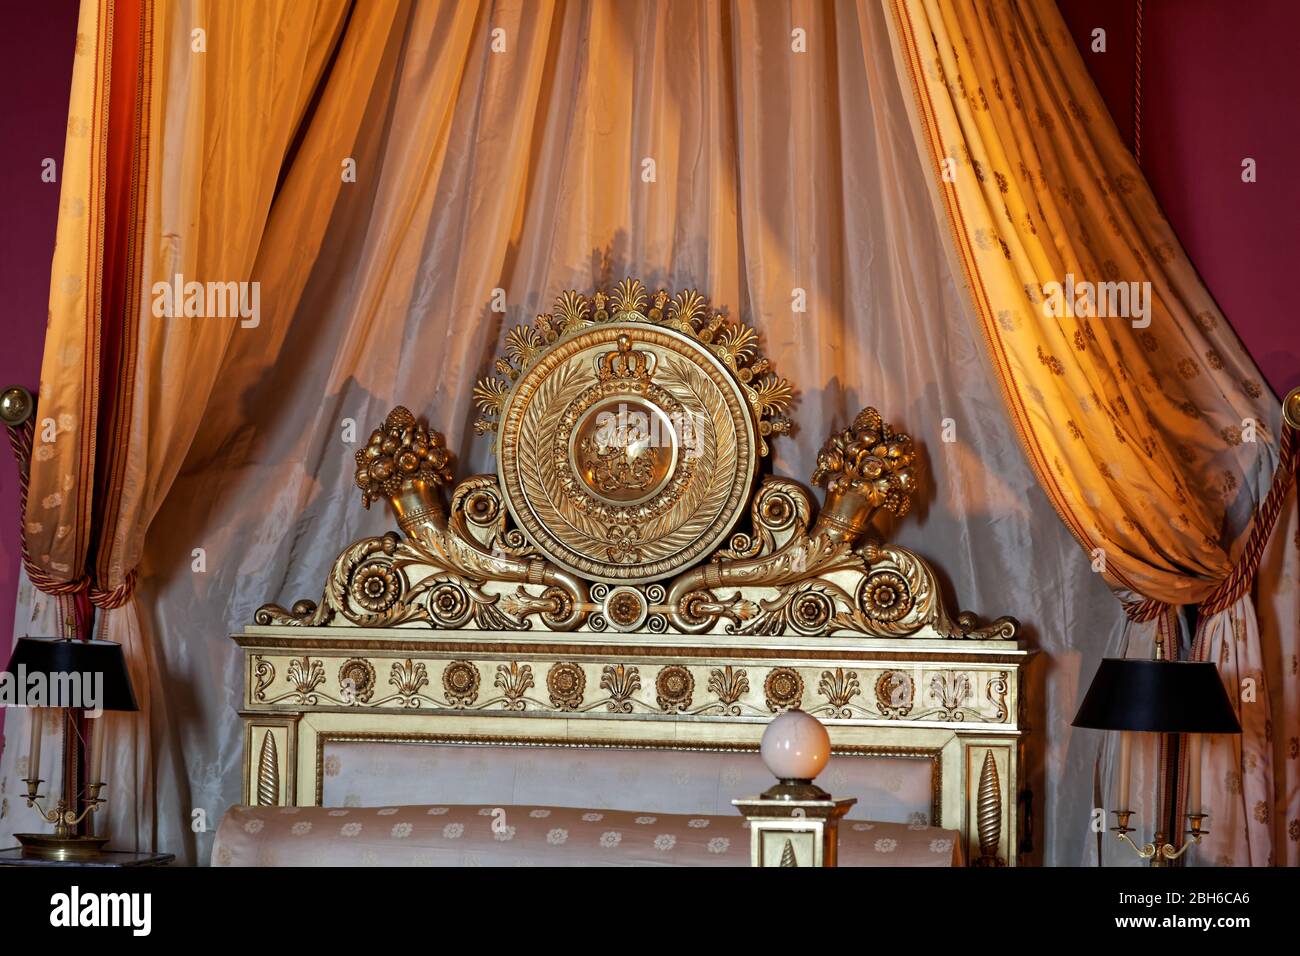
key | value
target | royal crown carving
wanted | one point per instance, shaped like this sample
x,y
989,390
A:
x,y
629,428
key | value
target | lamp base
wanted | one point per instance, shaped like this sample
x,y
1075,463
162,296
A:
x,y
46,846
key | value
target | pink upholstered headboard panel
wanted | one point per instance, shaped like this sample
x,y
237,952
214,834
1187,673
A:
x,y
360,774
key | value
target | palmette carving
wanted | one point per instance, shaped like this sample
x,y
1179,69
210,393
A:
x,y
839,687
622,682
729,686
409,677
514,682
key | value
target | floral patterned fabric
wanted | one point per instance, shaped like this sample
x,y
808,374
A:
x,y
471,835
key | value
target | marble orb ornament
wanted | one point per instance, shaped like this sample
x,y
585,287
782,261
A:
x,y
795,746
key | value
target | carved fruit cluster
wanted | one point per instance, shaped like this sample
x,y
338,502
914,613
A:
x,y
871,459
399,450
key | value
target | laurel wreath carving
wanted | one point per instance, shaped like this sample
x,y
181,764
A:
x,y
536,463
703,500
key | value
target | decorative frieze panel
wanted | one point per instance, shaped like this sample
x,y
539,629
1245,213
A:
x,y
922,693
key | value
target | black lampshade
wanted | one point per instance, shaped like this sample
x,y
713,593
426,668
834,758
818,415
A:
x,y
53,655
1172,697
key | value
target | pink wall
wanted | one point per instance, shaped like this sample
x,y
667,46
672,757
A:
x,y
1219,84
35,77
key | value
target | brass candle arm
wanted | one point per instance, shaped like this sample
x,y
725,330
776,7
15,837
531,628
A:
x,y
63,818
1158,852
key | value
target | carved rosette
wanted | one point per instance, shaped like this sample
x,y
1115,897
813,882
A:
x,y
566,683
885,597
356,680
674,689
460,682
783,689
895,694
450,604
626,608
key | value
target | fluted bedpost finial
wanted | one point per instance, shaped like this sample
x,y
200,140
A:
x,y
406,462
865,468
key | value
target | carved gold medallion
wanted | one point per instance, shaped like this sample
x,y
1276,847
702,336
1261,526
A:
x,y
627,451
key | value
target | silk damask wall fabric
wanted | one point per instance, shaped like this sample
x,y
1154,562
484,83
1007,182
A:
x,y
1148,424
417,184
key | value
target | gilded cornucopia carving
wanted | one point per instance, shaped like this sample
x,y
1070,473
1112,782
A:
x,y
630,428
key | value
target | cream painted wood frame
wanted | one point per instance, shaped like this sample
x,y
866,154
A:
x,y
954,703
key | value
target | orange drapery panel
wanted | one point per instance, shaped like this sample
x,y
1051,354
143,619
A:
x,y
164,174
1147,424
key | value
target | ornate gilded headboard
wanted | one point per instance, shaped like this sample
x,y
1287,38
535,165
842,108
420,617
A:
x,y
628,578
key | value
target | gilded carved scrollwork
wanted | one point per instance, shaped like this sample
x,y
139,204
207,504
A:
x,y
438,578
793,580
629,428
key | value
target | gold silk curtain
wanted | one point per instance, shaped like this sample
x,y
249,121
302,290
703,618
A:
x,y
205,112
1151,431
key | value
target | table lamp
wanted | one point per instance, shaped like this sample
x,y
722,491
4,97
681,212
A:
x,y
77,676
1159,697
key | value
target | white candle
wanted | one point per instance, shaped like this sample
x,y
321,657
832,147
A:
x,y
1194,778
34,748
95,770
1125,766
